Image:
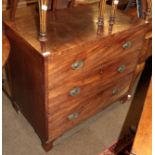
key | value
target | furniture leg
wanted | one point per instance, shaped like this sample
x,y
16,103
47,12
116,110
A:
x,y
125,98
47,146
138,70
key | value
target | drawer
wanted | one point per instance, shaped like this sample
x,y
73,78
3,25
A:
x,y
94,82
66,118
78,62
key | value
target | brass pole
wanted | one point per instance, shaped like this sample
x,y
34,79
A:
x,y
112,15
102,5
43,6
113,11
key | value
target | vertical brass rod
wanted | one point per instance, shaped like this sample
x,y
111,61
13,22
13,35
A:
x,y
102,5
112,15
43,6
113,11
13,9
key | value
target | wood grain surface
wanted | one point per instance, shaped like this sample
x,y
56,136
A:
x,y
68,27
97,56
27,83
5,49
89,84
58,121
143,140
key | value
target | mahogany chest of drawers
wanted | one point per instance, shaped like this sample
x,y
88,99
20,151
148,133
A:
x,y
77,72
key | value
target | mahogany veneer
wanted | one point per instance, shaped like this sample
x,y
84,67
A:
x,y
78,71
5,49
143,140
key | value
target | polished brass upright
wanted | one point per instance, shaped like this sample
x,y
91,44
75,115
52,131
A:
x,y
101,12
112,15
43,6
113,11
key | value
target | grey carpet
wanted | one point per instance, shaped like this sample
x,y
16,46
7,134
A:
x,y
89,138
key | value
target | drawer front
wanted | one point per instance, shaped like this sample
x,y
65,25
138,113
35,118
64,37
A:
x,y
68,117
77,63
99,79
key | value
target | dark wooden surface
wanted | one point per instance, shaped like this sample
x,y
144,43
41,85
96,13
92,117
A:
x,y
143,140
41,76
27,82
5,49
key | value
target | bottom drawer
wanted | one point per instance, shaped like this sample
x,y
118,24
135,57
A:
x,y
60,122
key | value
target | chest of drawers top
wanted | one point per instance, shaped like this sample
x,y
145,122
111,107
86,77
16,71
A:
x,y
67,28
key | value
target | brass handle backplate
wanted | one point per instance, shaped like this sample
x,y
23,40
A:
x,y
73,116
77,64
121,69
126,45
75,91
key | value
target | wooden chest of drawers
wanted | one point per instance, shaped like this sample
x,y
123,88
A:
x,y
77,72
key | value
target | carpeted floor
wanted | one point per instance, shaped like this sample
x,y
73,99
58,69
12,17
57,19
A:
x,y
89,138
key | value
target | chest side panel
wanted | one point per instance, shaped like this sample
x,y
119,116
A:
x,y
26,70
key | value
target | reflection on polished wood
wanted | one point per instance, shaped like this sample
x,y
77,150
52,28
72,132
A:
x,y
143,140
102,6
5,49
66,28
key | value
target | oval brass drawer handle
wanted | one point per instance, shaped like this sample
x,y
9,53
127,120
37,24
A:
x,y
115,91
126,45
73,116
77,64
75,91
121,69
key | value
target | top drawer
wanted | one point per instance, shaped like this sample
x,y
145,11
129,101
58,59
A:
x,y
80,61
